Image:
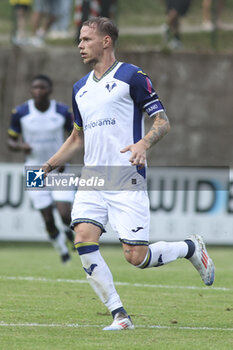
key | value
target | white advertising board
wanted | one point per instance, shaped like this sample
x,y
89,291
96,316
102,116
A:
x,y
190,203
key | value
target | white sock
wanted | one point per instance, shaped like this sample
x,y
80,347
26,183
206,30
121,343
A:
x,y
162,253
98,275
59,243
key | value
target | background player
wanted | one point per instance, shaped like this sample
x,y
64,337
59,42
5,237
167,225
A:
x,y
175,10
37,129
108,106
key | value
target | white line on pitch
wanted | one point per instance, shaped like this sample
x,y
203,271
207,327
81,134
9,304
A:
x,y
140,285
75,325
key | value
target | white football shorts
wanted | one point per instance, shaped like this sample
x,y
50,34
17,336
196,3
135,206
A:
x,y
43,199
128,213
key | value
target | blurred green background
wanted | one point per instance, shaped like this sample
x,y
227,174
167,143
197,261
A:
x,y
147,13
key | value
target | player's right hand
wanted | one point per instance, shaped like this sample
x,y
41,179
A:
x,y
26,148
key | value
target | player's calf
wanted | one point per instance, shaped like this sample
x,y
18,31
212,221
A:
x,y
158,254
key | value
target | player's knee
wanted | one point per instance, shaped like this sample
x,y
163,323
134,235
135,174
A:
x,y
85,241
134,260
86,233
134,255
81,235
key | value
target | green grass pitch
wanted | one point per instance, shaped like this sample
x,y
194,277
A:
x,y
47,306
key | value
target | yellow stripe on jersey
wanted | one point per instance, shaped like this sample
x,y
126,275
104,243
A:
x,y
141,72
21,2
77,127
13,133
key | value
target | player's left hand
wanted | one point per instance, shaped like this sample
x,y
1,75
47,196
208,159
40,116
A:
x,y
138,153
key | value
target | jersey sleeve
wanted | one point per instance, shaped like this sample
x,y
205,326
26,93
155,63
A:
x,y
143,93
15,127
69,120
78,124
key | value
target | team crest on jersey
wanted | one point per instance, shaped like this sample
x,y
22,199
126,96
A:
x,y
111,85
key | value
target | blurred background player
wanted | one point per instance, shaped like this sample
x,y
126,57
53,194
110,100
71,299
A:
x,y
209,12
175,10
20,14
37,129
44,15
60,28
84,9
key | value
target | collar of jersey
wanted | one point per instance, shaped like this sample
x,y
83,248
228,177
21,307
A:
x,y
106,73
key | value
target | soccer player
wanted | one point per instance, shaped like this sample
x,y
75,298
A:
x,y
41,122
21,10
175,10
108,106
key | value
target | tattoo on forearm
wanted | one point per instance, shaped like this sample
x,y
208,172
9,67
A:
x,y
159,128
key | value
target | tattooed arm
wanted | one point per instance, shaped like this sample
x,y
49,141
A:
x,y
160,128
138,150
